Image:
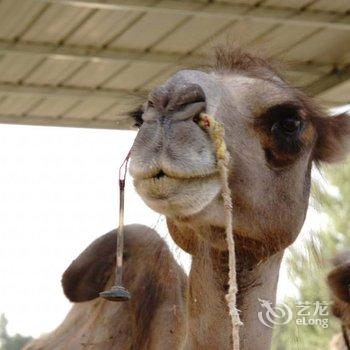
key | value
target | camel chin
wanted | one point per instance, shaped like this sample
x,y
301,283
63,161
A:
x,y
176,197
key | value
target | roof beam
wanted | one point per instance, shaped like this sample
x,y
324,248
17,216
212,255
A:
x,y
44,91
69,122
307,18
84,53
41,91
81,53
329,81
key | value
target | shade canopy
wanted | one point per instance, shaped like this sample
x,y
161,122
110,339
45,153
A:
x,y
83,63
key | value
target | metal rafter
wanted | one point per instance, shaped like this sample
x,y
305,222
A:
x,y
45,91
307,18
69,122
84,54
329,81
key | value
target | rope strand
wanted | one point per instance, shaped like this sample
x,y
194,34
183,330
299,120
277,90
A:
x,y
216,132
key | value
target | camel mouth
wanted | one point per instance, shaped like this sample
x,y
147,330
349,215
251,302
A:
x,y
175,196
160,174
163,181
165,174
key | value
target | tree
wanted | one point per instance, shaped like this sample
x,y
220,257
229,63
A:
x,y
308,267
7,342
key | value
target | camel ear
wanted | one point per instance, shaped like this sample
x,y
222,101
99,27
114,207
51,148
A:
x,y
333,138
339,282
88,274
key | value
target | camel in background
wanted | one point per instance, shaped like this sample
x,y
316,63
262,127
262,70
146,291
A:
x,y
339,284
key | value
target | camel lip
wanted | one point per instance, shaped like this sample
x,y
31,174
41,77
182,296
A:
x,y
161,174
171,196
166,181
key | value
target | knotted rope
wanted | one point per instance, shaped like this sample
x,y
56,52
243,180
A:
x,y
216,132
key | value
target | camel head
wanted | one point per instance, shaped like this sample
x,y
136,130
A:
x,y
273,133
339,283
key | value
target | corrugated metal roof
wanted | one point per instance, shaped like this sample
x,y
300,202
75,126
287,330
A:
x,y
77,62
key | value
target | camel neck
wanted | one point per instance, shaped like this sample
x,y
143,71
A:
x,y
257,283
208,318
209,324
258,264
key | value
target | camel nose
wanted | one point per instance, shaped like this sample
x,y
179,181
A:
x,y
180,101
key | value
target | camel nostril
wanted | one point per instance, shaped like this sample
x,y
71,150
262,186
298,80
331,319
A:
x,y
160,174
196,118
187,96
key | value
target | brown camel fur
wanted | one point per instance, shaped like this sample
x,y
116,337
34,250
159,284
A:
x,y
339,284
161,287
274,133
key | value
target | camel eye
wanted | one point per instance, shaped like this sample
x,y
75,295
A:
x,y
289,126
283,124
284,121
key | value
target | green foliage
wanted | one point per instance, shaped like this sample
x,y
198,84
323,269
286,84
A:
x,y
7,342
309,266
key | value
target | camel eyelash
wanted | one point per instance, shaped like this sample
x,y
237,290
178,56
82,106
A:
x,y
136,114
277,113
